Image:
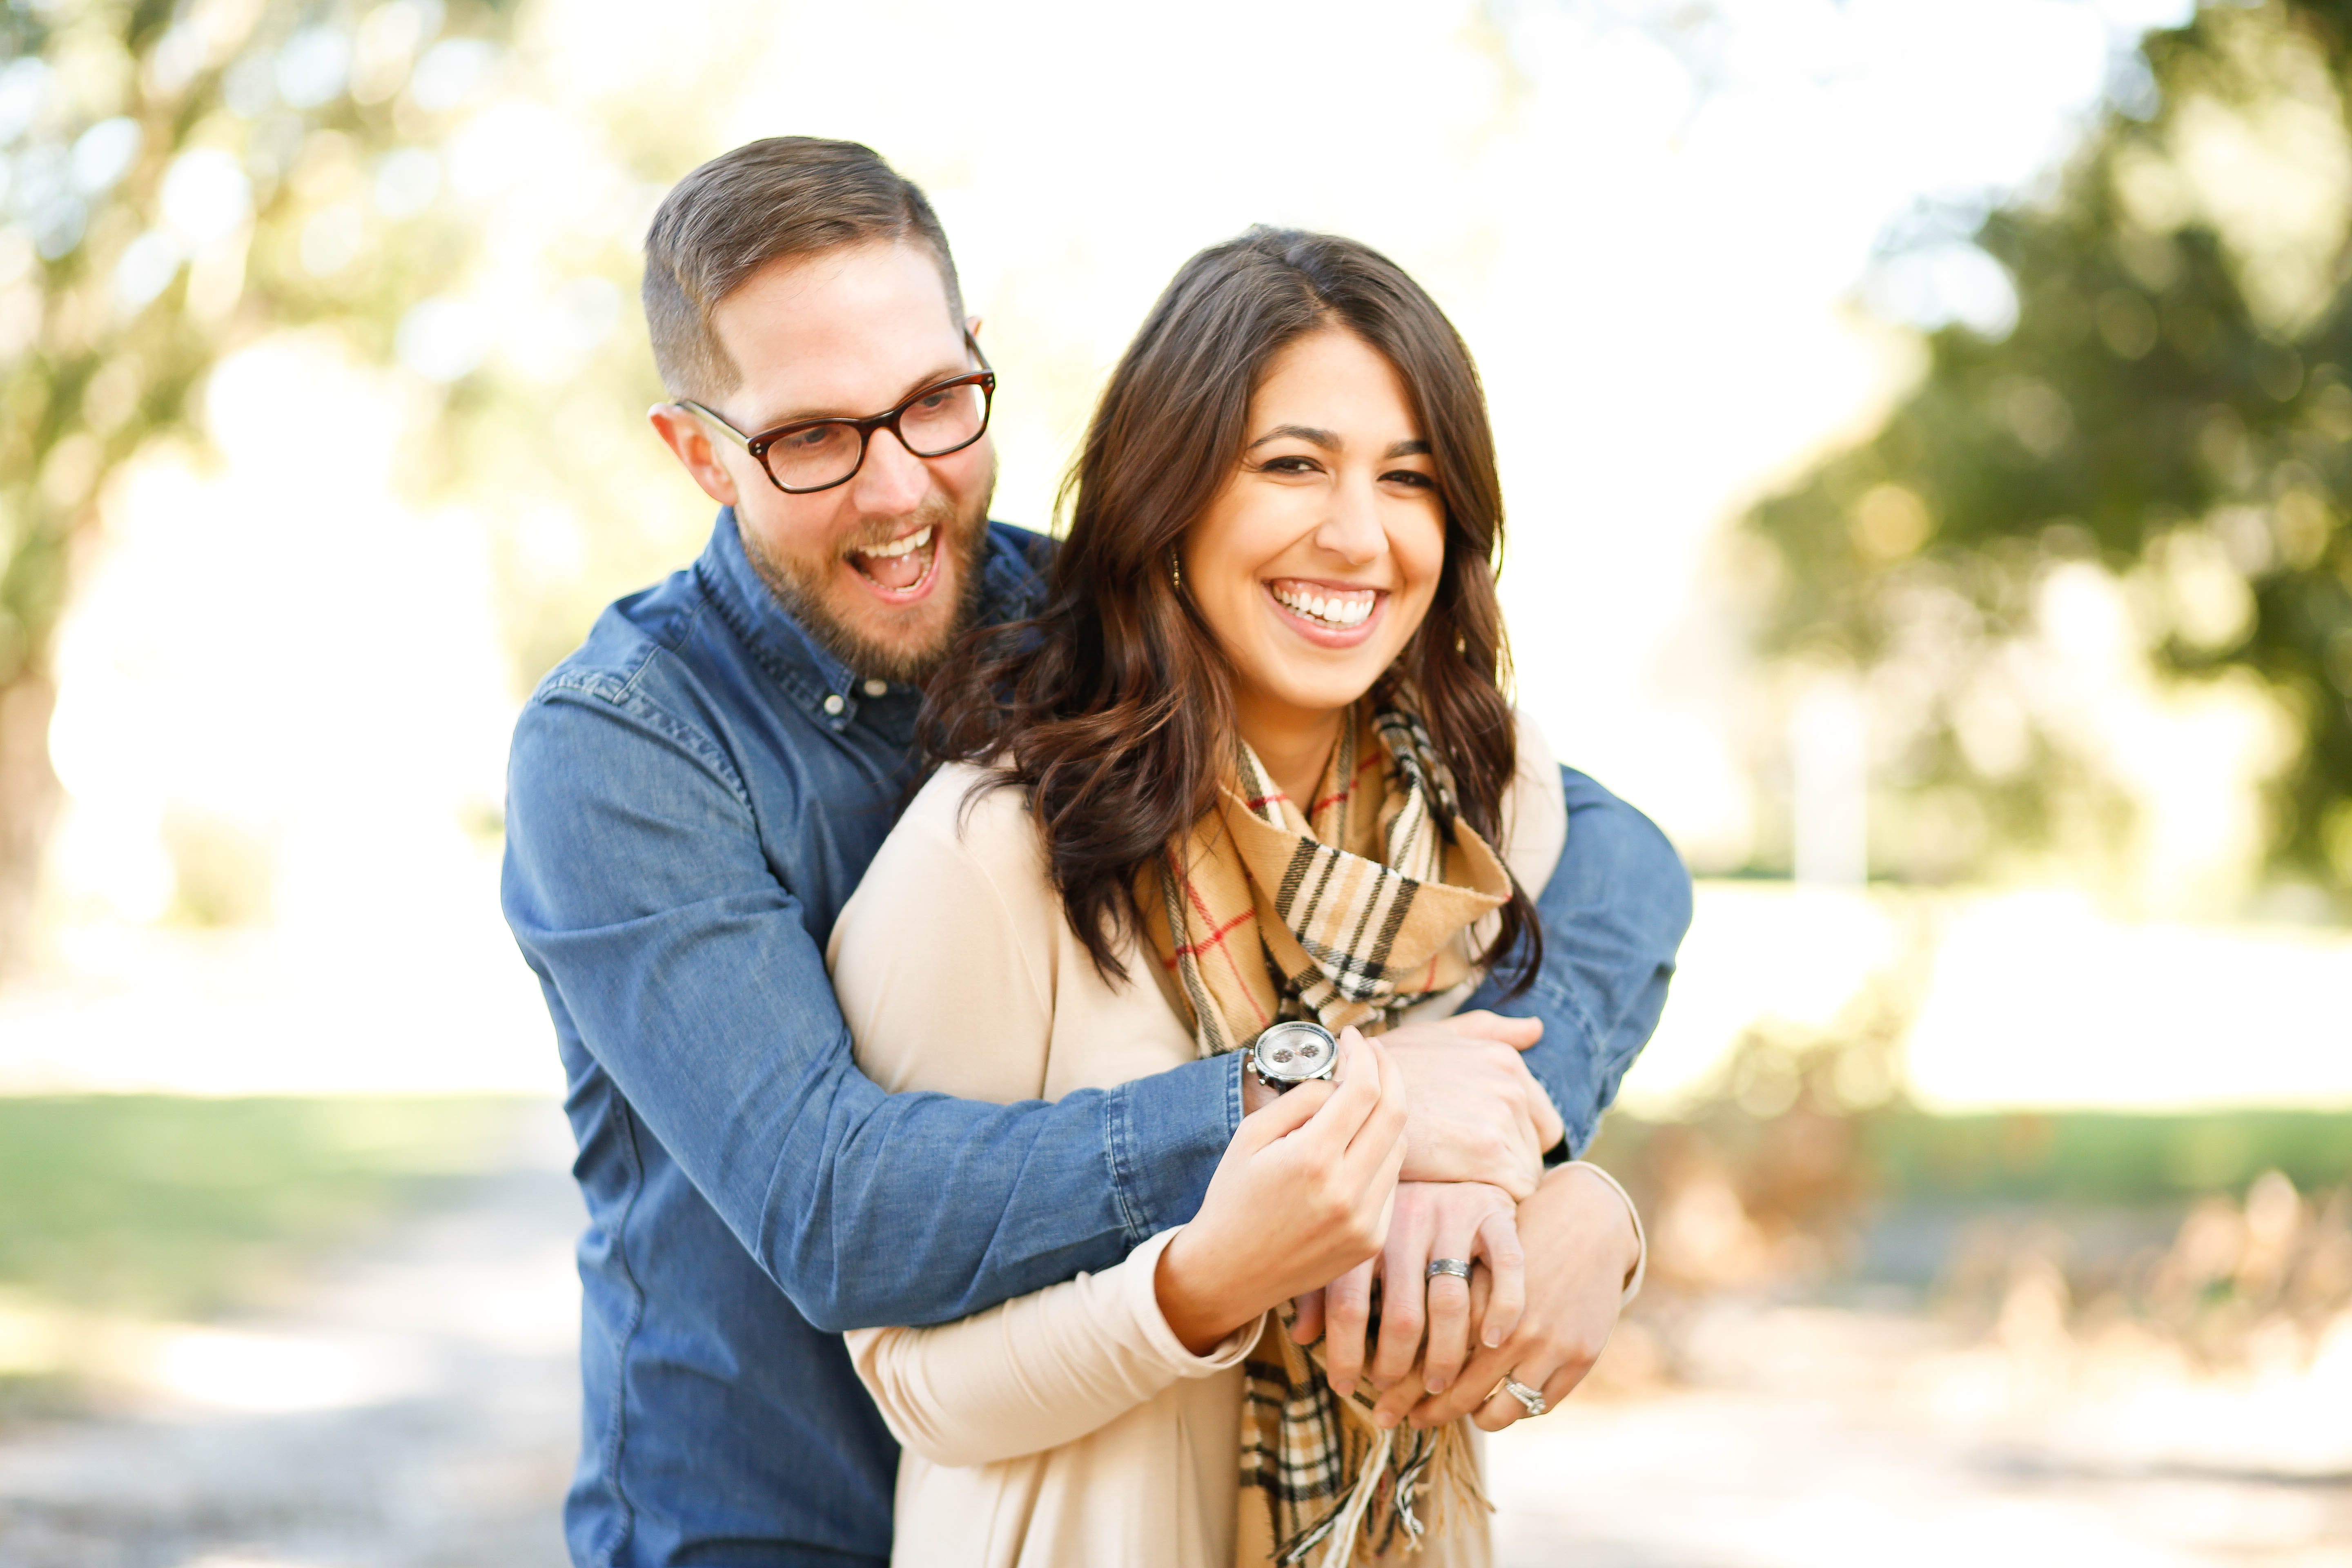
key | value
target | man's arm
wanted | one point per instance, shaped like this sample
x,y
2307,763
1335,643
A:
x,y
1613,914
636,885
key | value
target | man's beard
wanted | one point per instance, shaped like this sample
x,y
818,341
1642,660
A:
x,y
800,587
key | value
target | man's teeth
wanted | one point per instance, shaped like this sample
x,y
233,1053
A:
x,y
1331,609
915,540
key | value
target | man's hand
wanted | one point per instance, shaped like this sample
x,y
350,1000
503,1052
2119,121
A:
x,y
1580,1249
1478,1114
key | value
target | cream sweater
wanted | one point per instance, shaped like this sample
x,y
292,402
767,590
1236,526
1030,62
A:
x,y
1070,1426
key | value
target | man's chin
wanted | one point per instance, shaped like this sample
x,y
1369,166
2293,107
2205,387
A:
x,y
906,642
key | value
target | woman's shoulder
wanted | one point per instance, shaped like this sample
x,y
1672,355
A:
x,y
1534,811
969,823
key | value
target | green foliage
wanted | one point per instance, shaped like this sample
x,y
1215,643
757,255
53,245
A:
x,y
2173,403
2103,1157
165,1207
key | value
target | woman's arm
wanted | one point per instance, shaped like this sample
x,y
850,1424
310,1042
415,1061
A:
x,y
1040,1371
957,923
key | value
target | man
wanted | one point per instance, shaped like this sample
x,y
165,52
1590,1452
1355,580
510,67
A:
x,y
693,795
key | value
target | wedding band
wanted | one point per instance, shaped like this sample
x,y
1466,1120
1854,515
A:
x,y
1453,1265
1531,1397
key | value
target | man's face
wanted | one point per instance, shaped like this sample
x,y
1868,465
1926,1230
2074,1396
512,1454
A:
x,y
881,569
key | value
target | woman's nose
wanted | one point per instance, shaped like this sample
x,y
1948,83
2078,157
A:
x,y
1350,527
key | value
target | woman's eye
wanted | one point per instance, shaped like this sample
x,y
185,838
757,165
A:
x,y
1407,477
1288,466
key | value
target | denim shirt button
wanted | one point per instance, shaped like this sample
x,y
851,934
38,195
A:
x,y
875,687
832,702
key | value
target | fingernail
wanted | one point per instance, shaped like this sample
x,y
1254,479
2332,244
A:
x,y
1385,1419
1494,1341
1343,1387
1437,1384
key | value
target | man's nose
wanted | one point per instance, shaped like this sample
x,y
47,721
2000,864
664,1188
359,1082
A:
x,y
892,480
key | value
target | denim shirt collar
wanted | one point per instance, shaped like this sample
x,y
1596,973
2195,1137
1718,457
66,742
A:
x,y
807,670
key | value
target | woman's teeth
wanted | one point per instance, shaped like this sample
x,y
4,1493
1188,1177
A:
x,y
1335,610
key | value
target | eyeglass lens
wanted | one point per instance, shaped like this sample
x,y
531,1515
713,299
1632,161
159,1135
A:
x,y
933,426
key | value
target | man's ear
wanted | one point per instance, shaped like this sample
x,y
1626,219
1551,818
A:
x,y
683,434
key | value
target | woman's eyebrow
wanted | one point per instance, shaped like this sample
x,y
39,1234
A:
x,y
1308,433
1414,448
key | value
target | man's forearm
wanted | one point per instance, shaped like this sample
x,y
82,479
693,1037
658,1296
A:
x,y
670,950
1612,914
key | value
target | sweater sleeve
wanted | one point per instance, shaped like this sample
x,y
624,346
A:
x,y
1038,1371
944,964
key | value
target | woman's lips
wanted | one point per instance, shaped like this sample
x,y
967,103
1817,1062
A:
x,y
1327,614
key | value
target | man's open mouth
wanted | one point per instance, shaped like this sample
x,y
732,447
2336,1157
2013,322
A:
x,y
902,568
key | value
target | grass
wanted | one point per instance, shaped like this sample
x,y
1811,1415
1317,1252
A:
x,y
161,1206
2107,1158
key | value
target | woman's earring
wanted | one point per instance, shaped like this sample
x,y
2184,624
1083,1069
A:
x,y
1175,571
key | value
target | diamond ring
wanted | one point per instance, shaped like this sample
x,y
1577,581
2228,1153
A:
x,y
1531,1397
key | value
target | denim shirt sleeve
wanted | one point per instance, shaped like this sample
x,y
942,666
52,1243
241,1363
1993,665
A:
x,y
638,888
1613,914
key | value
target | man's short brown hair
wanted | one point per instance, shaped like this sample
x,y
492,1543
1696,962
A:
x,y
778,197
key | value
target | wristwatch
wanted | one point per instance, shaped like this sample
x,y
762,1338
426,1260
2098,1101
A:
x,y
1294,1053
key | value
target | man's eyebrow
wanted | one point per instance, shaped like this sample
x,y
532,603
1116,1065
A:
x,y
1306,433
931,378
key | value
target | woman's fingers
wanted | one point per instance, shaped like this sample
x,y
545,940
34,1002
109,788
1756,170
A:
x,y
1286,1115
1307,1318
1346,1312
1402,1261
1507,1266
1449,1307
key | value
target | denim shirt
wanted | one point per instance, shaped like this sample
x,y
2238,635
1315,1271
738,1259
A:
x,y
692,797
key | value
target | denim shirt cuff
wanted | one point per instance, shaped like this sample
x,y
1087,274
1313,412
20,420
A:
x,y
1164,1135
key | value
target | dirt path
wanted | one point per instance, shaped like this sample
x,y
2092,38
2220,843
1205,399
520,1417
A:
x,y
418,1412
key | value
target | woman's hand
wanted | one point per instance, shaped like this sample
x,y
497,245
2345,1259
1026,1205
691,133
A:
x,y
1585,1246
1302,1195
1465,1220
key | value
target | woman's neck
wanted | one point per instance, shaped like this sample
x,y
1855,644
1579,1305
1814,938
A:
x,y
1295,745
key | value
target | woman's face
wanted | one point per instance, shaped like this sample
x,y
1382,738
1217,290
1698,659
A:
x,y
1318,559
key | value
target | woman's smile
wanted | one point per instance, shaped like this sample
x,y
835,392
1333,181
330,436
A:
x,y
1328,614
1319,558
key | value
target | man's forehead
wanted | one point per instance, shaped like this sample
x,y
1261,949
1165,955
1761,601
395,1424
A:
x,y
834,332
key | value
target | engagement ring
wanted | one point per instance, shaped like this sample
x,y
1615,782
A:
x,y
1531,1397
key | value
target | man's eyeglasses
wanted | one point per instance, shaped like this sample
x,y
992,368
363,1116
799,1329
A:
x,y
811,455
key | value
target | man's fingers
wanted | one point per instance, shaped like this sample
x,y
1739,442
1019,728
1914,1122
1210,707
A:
x,y
1549,1129
1516,1033
1507,1266
1347,1310
1307,1318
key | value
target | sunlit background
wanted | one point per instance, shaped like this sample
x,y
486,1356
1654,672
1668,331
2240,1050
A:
x,y
1924,429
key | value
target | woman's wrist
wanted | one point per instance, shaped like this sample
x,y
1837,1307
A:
x,y
1637,1247
1197,1298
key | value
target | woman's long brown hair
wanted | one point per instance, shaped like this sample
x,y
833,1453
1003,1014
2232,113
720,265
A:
x,y
1113,707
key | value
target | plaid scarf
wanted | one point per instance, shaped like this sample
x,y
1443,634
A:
x,y
1346,912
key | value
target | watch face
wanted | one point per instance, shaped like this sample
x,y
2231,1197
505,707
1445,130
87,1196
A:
x,y
1292,1053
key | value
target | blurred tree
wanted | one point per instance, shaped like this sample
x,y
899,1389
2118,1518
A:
x,y
2173,402
176,180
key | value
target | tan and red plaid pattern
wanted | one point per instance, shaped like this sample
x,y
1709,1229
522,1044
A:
x,y
1348,912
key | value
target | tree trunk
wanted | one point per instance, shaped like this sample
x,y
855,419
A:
x,y
28,803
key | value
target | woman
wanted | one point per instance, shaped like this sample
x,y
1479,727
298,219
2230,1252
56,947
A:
x,y
1251,764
